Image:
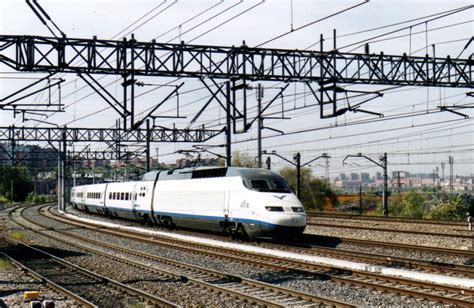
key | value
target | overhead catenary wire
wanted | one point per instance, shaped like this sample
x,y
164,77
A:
x,y
292,30
85,86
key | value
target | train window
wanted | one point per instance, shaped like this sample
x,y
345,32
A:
x,y
127,196
209,173
110,195
122,196
279,185
260,185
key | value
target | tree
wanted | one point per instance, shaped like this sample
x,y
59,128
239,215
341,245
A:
x,y
314,192
414,204
240,159
17,176
455,208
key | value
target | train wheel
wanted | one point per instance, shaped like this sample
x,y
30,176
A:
x,y
240,233
146,220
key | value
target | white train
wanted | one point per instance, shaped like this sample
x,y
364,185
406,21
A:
x,y
241,201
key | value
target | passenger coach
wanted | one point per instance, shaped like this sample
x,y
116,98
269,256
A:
x,y
250,202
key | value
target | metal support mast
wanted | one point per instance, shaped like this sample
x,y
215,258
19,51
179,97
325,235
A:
x,y
383,163
228,127
451,175
260,124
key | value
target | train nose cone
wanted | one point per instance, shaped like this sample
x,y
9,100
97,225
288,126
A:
x,y
298,220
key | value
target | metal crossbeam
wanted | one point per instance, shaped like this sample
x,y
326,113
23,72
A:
x,y
45,54
101,155
104,135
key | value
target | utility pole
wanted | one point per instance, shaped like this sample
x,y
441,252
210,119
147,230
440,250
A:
x,y
11,191
297,159
260,124
383,163
327,168
268,162
148,138
360,199
385,185
451,176
228,127
297,163
442,171
399,183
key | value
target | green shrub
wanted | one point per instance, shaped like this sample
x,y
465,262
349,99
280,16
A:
x,y
5,263
16,235
33,198
454,209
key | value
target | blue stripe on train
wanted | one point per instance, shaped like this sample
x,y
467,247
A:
x,y
192,216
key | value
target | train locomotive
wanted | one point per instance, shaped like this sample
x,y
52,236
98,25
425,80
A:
x,y
255,203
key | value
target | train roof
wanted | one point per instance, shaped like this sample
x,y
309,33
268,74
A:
x,y
206,172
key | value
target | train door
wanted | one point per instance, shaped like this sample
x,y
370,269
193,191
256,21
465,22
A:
x,y
135,203
227,199
83,198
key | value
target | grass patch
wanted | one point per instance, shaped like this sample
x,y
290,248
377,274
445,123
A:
x,y
16,235
5,263
3,199
136,305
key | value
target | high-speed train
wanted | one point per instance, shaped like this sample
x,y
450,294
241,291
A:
x,y
240,201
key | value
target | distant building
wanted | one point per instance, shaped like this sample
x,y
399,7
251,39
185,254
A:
x,y
365,177
354,176
378,176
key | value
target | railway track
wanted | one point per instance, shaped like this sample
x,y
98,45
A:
x,y
241,289
86,287
455,270
418,289
388,219
314,240
449,235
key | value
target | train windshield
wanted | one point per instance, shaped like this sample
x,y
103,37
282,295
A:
x,y
270,185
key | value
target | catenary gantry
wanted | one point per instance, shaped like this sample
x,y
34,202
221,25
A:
x,y
96,56
66,134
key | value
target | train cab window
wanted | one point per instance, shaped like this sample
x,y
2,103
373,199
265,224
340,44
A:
x,y
279,185
260,185
270,185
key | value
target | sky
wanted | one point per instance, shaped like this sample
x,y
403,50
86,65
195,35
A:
x,y
413,133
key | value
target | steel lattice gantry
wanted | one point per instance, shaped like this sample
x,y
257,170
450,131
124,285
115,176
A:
x,y
104,135
45,54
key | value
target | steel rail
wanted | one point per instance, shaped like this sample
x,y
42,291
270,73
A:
x,y
378,259
48,282
450,235
372,280
307,298
387,219
117,285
